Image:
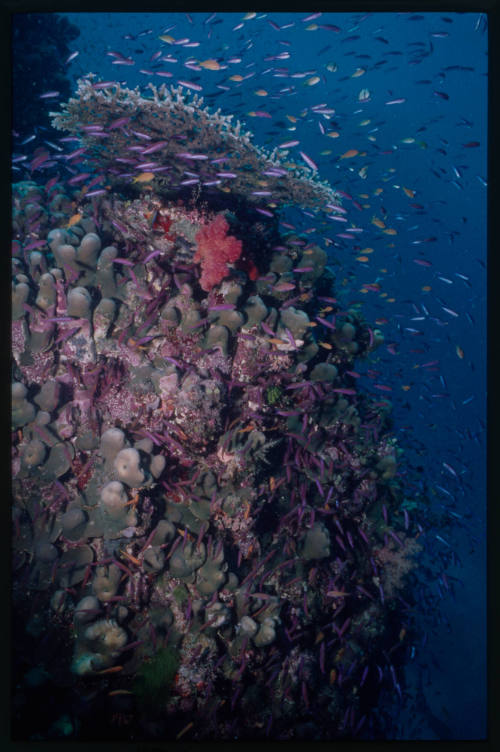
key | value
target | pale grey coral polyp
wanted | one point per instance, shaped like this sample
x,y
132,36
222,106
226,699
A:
x,y
114,504
112,441
127,465
316,542
106,582
34,454
22,410
266,633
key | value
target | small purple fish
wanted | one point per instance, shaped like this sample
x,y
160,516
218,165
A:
x,y
304,694
325,322
190,85
188,155
104,85
155,147
152,255
118,123
450,469
124,61
96,193
75,153
35,244
71,57
422,262
267,329
322,657
308,161
288,144
364,675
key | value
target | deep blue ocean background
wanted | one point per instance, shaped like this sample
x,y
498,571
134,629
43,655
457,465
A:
x,y
421,168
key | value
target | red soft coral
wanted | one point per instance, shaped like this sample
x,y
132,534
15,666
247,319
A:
x,y
215,248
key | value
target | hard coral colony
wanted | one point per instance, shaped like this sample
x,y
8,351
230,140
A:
x,y
194,468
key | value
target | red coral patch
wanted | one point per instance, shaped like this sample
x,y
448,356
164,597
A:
x,y
215,249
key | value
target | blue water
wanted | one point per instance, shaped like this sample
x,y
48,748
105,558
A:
x,y
432,191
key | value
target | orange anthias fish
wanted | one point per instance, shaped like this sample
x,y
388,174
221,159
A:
x,y
185,729
283,287
349,154
74,220
144,177
210,64
111,670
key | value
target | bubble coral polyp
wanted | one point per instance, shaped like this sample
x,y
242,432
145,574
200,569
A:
x,y
215,249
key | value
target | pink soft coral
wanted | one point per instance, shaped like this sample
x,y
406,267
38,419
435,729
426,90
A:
x,y
215,249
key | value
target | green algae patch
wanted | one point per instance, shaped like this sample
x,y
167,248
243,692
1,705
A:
x,y
154,680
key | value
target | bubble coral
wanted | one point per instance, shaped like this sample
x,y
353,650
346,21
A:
x,y
97,646
128,467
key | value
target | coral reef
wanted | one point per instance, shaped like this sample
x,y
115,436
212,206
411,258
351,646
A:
x,y
201,493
